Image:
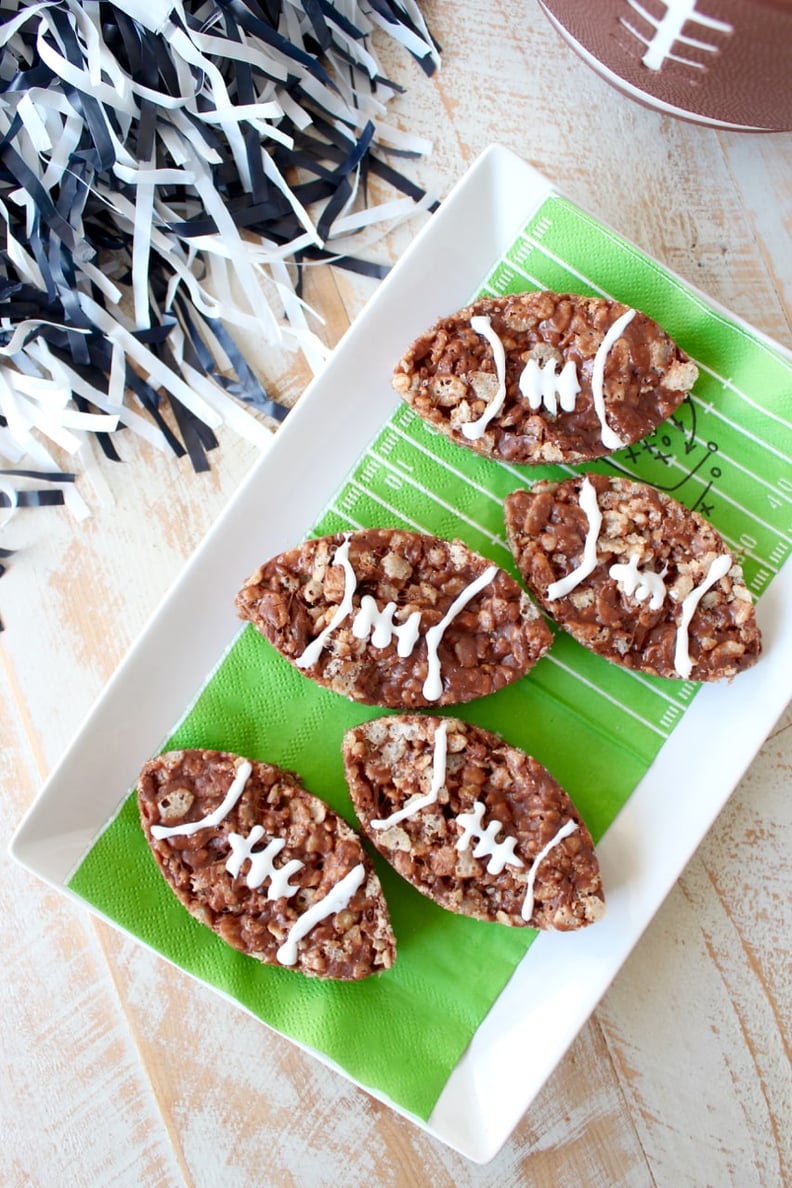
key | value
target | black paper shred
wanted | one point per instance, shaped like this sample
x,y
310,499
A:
x,y
12,497
150,156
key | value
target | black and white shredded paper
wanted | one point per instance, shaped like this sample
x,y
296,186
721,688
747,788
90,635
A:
x,y
166,172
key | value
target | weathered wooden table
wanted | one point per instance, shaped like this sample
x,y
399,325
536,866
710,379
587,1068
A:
x,y
118,1069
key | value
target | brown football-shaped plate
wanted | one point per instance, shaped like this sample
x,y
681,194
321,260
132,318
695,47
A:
x,y
473,823
724,62
635,576
542,377
266,865
395,618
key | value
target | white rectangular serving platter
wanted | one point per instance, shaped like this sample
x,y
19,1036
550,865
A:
x,y
562,978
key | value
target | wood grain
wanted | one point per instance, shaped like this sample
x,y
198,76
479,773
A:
x,y
120,1070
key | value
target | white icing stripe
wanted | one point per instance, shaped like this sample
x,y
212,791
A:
x,y
261,863
379,623
541,385
718,569
500,853
528,902
214,818
610,439
473,430
433,685
13,502
314,648
588,501
416,803
335,901
643,583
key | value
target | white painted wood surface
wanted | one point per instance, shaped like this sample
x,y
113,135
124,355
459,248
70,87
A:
x,y
121,1071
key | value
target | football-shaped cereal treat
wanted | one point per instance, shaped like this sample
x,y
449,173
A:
x,y
263,863
473,823
634,576
394,618
544,377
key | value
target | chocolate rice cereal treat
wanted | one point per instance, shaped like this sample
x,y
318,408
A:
x,y
634,576
473,823
396,618
263,863
544,377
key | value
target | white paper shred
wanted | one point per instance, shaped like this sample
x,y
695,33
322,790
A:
x,y
7,513
188,248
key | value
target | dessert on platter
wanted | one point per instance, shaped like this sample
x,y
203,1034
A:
x,y
266,865
394,618
635,576
473,823
542,377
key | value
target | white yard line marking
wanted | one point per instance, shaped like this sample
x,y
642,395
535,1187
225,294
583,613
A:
x,y
446,465
778,492
662,693
518,268
613,700
709,406
525,480
727,383
721,494
677,283
497,540
342,515
740,551
570,268
389,507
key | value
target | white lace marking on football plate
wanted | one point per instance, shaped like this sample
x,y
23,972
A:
x,y
668,32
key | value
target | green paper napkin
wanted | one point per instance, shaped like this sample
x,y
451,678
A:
x,y
596,727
